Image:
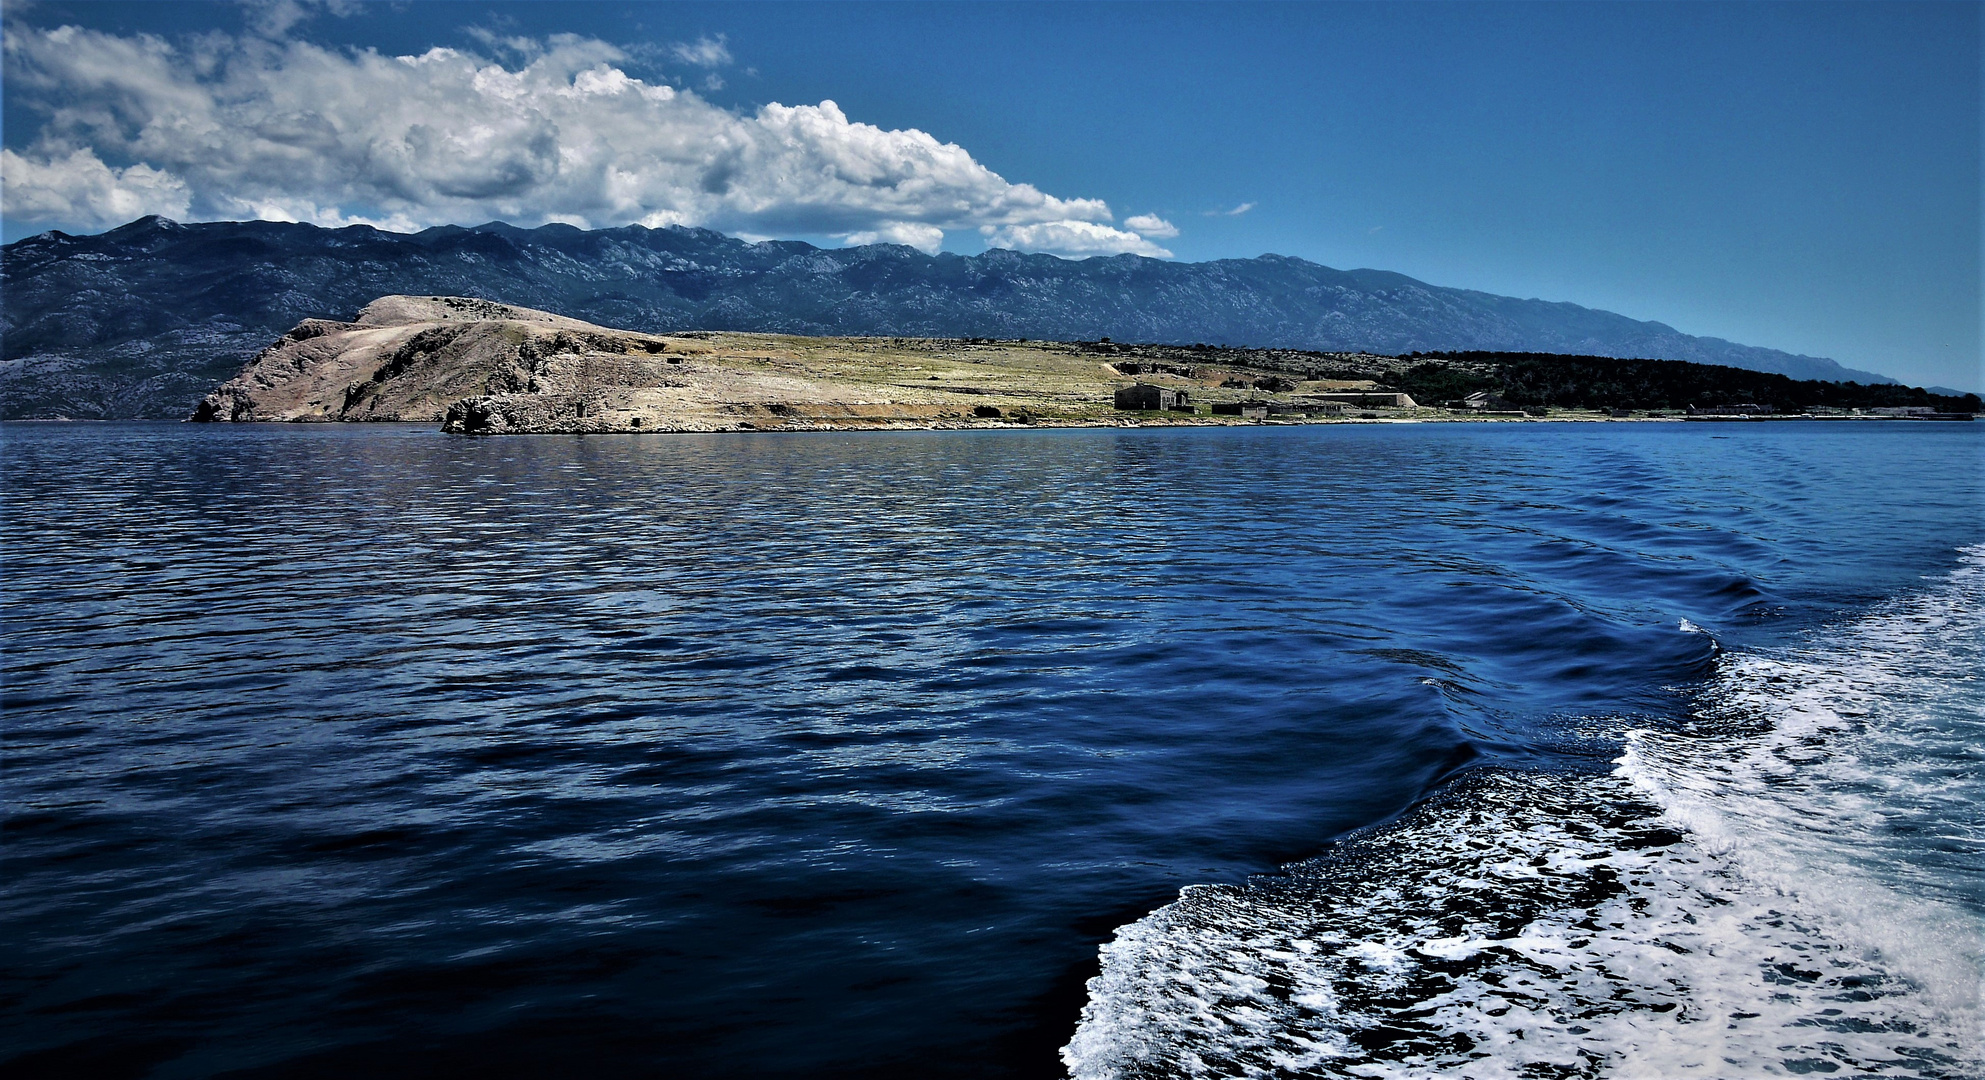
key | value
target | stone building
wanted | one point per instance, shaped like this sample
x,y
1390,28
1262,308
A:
x,y
1146,396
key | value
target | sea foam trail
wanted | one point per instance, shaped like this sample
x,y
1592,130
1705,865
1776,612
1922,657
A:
x,y
1785,884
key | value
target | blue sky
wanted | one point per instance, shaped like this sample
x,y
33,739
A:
x,y
1801,176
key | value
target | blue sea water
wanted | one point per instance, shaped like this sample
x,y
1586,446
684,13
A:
x,y
1366,750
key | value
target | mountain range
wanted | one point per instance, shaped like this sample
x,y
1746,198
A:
x,y
143,320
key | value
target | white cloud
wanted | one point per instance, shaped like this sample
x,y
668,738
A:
x,y
275,18
705,52
1075,239
1235,212
925,238
1151,225
215,127
80,189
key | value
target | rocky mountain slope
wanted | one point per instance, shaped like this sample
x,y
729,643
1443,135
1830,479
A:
x,y
408,358
145,319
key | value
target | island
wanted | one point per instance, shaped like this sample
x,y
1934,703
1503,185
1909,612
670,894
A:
x,y
476,366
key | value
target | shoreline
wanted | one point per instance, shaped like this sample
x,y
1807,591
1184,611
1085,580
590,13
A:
x,y
749,427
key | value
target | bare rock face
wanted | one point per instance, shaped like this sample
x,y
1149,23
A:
x,y
411,357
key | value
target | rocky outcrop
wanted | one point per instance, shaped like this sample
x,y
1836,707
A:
x,y
409,358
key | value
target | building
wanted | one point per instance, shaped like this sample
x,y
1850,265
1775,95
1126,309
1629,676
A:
x,y
1486,399
1146,396
1246,410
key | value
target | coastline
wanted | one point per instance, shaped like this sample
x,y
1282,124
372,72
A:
x,y
798,426
481,368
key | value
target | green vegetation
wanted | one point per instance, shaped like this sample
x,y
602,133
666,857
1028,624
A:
x,y
1601,382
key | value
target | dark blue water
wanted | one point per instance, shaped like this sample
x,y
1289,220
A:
x,y
335,750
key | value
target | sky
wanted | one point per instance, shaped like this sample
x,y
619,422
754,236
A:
x,y
1800,176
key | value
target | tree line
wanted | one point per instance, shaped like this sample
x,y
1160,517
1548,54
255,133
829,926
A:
x,y
1602,382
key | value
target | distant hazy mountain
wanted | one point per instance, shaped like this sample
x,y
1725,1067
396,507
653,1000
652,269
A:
x,y
145,319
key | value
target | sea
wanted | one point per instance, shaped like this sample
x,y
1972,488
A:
x,y
1538,750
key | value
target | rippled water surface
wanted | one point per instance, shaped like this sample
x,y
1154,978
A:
x,y
369,751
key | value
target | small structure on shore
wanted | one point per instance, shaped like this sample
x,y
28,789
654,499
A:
x,y
1246,410
1147,396
1486,399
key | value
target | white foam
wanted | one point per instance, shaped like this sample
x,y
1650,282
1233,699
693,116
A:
x,y
1854,781
1788,885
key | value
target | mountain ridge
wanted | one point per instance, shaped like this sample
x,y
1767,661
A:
x,y
144,319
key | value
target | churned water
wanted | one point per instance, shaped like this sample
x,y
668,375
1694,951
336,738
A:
x,y
1523,750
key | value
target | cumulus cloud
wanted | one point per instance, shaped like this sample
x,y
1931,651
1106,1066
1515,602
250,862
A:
x,y
1151,225
216,127
1075,239
80,187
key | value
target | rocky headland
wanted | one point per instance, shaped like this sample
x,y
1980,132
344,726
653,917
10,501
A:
x,y
410,358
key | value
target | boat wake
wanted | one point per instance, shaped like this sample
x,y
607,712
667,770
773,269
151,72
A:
x,y
1783,884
